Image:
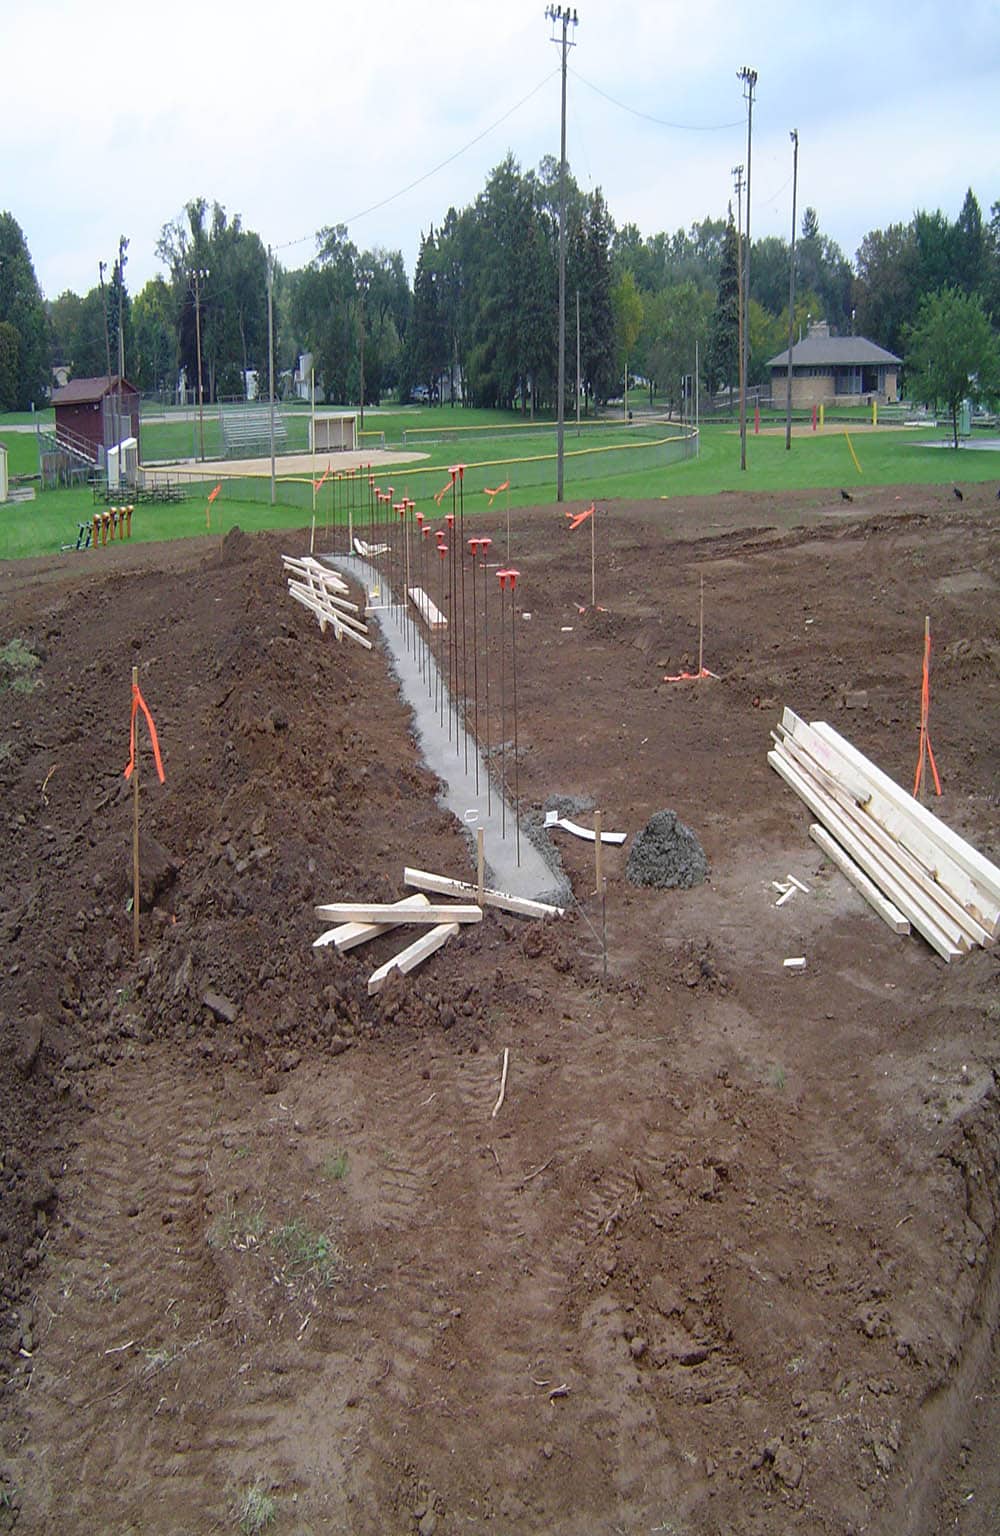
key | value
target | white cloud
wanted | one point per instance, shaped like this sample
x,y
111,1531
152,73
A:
x,y
307,115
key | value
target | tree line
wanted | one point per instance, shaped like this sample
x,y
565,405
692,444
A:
x,y
479,320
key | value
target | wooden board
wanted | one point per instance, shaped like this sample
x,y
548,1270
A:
x,y
428,611
867,888
947,944
376,912
936,863
913,897
422,879
985,875
414,954
349,935
347,612
341,623
951,861
893,849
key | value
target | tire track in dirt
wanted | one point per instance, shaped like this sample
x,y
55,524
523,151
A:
x,y
136,1190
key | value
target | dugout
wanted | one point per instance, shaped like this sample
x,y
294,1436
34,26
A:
x,y
335,432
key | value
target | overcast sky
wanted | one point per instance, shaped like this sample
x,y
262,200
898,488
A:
x,y
306,114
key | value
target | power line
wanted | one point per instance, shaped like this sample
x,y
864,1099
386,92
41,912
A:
x,y
647,117
385,201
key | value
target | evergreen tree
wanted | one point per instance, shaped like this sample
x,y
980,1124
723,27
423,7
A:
x,y
428,345
722,355
589,270
22,306
969,246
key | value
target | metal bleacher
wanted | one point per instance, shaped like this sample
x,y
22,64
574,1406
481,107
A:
x,y
246,431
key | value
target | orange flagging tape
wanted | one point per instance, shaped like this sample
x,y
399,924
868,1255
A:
x,y
491,494
212,494
926,750
690,677
576,518
318,484
442,493
138,702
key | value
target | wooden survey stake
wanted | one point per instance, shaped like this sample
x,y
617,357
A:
x,y
598,860
135,832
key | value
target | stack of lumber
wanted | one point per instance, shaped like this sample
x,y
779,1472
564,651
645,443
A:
x,y
324,593
358,922
907,863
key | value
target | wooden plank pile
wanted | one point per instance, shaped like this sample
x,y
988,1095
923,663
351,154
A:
x,y
907,863
324,593
358,922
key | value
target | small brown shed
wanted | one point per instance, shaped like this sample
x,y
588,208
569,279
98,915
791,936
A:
x,y
92,414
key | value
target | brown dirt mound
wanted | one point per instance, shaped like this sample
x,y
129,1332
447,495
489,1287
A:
x,y
724,1260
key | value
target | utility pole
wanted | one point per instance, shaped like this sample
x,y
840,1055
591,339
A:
x,y
562,16
738,173
749,78
791,288
270,360
122,259
107,352
196,274
578,362
362,291
104,306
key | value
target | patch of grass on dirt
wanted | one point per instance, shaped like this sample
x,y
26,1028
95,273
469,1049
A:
x,y
237,1228
335,1166
255,1509
306,1252
18,667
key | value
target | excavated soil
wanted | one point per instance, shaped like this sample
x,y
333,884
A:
x,y
725,1261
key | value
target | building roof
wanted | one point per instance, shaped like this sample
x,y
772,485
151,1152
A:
x,y
83,391
834,352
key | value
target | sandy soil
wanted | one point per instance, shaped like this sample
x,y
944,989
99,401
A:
x,y
726,1260
286,464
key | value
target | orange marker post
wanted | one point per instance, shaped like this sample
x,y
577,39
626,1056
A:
x,y
132,772
926,754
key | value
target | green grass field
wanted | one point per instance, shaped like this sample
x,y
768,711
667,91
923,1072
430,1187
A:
x,y
816,461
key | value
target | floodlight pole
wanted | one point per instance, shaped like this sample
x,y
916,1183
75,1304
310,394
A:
x,y
738,173
122,259
566,18
578,362
197,274
749,78
270,362
791,288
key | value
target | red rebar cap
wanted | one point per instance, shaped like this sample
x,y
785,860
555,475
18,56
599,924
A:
x,y
442,550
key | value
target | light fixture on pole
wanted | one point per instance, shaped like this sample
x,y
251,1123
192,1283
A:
x,y
561,17
749,78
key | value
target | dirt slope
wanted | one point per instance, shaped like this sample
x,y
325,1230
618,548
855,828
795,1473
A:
x,y
726,1258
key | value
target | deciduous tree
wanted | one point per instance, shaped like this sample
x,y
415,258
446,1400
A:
x,y
952,353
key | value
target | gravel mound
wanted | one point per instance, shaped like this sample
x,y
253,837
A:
x,y
666,854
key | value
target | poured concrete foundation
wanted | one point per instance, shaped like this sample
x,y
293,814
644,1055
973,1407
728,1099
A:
x,y
513,863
